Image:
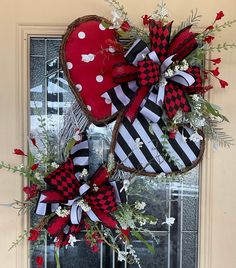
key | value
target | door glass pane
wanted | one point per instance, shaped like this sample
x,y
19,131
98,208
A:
x,y
176,246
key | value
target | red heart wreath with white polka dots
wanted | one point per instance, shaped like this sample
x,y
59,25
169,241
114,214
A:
x,y
87,56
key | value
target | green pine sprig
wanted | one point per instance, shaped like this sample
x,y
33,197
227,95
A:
x,y
193,19
119,9
19,240
225,46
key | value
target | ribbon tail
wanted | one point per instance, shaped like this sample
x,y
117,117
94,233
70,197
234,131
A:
x,y
43,208
80,155
57,224
175,100
132,111
197,87
120,96
117,195
106,219
152,108
75,213
137,52
92,215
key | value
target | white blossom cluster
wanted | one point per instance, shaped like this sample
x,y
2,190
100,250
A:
x,y
72,240
54,165
38,176
84,205
62,212
169,221
116,19
182,66
95,187
84,172
122,255
195,137
126,220
139,205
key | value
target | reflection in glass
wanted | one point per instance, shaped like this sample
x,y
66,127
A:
x,y
177,245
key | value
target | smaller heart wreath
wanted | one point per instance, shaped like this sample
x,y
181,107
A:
x,y
163,80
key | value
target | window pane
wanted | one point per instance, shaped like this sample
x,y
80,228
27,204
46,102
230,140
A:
x,y
177,246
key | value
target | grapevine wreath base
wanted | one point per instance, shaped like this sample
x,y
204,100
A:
x,y
152,81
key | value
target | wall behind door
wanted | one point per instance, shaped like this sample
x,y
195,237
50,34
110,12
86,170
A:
x,y
32,12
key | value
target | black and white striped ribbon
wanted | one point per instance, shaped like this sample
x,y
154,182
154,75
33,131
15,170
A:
x,y
80,156
151,156
43,209
77,210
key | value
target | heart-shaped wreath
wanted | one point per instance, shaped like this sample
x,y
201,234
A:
x,y
152,80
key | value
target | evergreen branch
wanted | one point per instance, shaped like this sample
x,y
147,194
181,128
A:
x,y
219,28
23,206
24,172
19,239
193,19
161,12
220,47
119,9
213,30
215,133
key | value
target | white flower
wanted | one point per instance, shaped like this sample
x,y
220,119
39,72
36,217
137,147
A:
x,y
126,184
87,57
162,175
72,240
139,205
54,165
184,138
177,67
116,19
77,136
169,221
122,255
95,187
169,73
143,222
184,65
62,212
84,205
200,122
162,81
153,222
21,166
195,97
195,137
84,172
37,175
138,143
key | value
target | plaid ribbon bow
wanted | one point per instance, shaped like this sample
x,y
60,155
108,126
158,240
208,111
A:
x,y
153,88
66,189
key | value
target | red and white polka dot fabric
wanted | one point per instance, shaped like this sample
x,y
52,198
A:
x,y
89,57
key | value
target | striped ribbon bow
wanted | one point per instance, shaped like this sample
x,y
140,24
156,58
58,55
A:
x,y
66,190
145,84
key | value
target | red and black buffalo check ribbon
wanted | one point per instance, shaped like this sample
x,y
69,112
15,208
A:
x,y
65,190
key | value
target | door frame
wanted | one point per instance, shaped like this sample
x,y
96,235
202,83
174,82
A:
x,y
24,32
